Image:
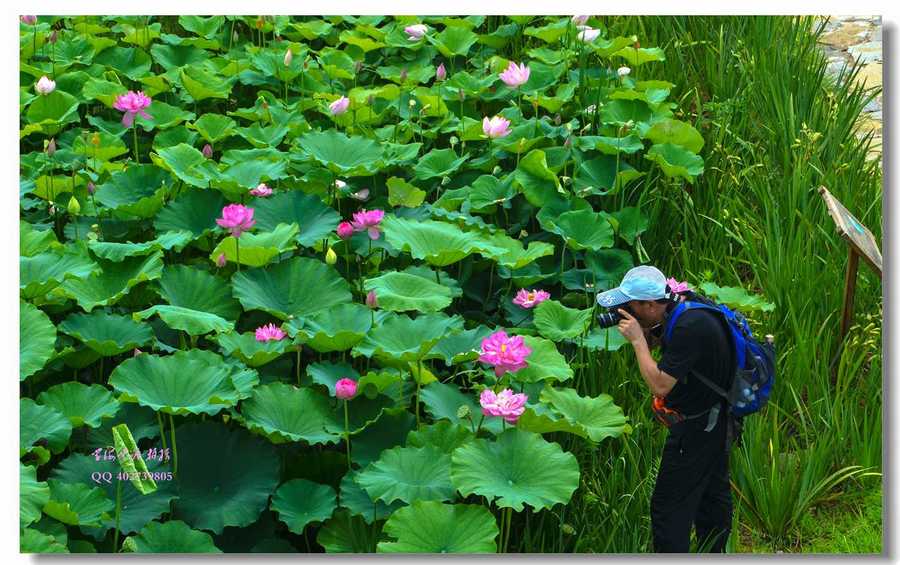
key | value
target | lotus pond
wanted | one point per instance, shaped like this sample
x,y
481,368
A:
x,y
326,284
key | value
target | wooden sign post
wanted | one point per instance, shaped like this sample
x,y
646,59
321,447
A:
x,y
861,244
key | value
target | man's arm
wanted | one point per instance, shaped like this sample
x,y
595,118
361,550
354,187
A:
x,y
659,382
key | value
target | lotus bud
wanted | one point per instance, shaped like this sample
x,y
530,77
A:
x,y
221,261
95,139
496,170
52,38
623,72
445,181
568,530
372,300
453,140
95,227
74,207
29,20
463,411
92,236
330,256
566,180
557,119
568,142
370,100
461,93
45,86
208,151
288,57
91,188
51,147
357,66
403,75
440,73
259,22
345,230
52,208
412,103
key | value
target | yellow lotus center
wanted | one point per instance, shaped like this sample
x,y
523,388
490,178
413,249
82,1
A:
x,y
530,296
502,348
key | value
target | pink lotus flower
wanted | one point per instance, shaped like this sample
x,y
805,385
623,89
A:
x,y
369,221
261,190
345,389
440,73
28,20
339,106
361,195
372,300
237,219
269,332
676,286
515,75
132,103
495,127
587,35
580,20
416,32
221,261
530,299
505,404
207,151
45,86
504,353
345,230
339,184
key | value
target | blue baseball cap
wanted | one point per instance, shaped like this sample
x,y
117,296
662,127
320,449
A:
x,y
640,283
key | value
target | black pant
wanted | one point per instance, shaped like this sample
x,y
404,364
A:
x,y
692,489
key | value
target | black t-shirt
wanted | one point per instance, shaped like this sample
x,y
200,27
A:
x,y
699,342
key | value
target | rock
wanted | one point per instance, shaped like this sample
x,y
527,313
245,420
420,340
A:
x,y
846,35
870,75
867,52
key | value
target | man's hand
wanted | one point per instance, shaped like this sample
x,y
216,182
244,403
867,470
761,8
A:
x,y
630,328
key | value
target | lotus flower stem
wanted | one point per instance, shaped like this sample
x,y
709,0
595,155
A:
x,y
134,130
418,388
299,349
508,528
237,252
174,447
347,434
118,515
162,430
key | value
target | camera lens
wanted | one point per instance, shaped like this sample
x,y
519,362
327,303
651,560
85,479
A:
x,y
608,319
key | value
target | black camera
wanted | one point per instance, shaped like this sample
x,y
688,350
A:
x,y
610,318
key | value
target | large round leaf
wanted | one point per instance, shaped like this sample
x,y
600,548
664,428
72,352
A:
x,y
77,504
82,404
515,255
199,290
608,266
359,503
214,127
284,413
390,430
603,175
138,190
443,400
401,292
37,338
187,382
107,334
345,533
408,474
297,287
218,488
33,495
336,329
557,322
341,154
257,249
443,435
584,229
605,339
438,163
35,541
316,220
438,243
43,272
517,468
173,536
42,423
462,346
434,527
188,164
193,322
252,352
677,133
299,502
114,282
405,339
676,161
115,251
599,417
193,210
545,362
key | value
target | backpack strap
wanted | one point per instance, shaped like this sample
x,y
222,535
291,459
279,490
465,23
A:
x,y
670,326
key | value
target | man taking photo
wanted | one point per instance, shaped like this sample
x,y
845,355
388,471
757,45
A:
x,y
693,485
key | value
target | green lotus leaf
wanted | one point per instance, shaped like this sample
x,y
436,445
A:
x,y
359,503
538,182
110,147
443,435
605,339
438,243
214,127
217,489
173,536
641,55
140,419
126,449
632,223
408,474
488,191
204,27
454,41
584,229
107,334
284,413
188,164
132,62
299,502
544,362
77,504
675,161
463,346
328,374
515,255
404,339
550,33
676,132
517,468
43,272
116,281
37,339
198,290
42,423
401,292
176,56
252,352
263,136
34,541
620,112
278,290
438,163
435,527
53,111
194,322
316,220
401,193
33,495
341,154
628,144
390,430
557,322
115,251
336,329
194,211
160,383
345,533
429,274
33,241
444,400
202,84
608,266
137,509
163,116
736,297
599,417
603,175
80,403
257,249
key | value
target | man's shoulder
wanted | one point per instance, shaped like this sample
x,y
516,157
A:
x,y
698,319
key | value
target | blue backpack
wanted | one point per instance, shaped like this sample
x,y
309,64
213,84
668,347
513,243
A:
x,y
755,362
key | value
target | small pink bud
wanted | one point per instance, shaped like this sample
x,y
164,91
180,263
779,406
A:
x,y
372,300
51,147
208,151
345,230
29,20
91,188
345,389
220,260
403,75
440,73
